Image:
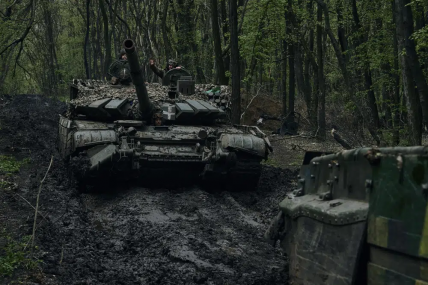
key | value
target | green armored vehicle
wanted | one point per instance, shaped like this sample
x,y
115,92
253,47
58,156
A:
x,y
359,217
122,131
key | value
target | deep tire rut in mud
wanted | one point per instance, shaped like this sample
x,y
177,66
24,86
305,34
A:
x,y
134,235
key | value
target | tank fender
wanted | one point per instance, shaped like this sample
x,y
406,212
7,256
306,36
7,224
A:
x,y
65,137
85,138
243,143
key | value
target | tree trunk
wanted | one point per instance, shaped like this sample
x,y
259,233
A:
x,y
413,60
420,16
341,34
312,101
221,76
107,39
291,73
167,45
185,32
350,88
386,105
321,81
98,55
86,45
225,28
413,102
52,82
236,95
374,122
396,91
284,77
371,99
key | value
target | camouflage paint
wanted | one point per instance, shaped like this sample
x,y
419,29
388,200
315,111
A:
x,y
374,201
397,224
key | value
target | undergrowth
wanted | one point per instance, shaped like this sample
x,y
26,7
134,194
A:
x,y
9,164
3,184
270,162
15,254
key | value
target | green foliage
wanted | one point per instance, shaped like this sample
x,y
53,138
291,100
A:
x,y
3,184
350,106
263,29
228,74
421,39
9,164
15,254
270,162
53,51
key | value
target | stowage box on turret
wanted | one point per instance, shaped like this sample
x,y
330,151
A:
x,y
121,130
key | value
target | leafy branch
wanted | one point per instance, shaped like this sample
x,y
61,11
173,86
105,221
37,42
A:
x,y
24,34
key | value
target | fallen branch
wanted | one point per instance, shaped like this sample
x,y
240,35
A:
x,y
44,217
339,139
37,205
294,137
251,101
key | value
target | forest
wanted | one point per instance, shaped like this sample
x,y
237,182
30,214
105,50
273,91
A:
x,y
354,65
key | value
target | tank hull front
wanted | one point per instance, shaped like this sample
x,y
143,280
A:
x,y
131,150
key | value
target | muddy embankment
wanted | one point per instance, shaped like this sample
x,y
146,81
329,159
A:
x,y
130,234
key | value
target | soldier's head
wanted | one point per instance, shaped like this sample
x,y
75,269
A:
x,y
122,55
157,118
171,64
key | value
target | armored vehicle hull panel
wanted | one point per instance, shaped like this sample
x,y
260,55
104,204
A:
x,y
126,147
359,217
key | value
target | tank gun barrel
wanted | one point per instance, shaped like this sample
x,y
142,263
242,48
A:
x,y
145,105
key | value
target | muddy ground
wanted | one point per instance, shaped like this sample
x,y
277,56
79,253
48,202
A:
x,y
130,234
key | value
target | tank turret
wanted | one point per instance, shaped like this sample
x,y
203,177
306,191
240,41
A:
x,y
145,106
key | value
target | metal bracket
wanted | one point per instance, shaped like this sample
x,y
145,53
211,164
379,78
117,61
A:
x,y
326,196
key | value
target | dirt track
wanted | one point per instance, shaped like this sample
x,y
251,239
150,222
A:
x,y
133,235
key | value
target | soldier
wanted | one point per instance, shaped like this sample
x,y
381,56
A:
x,y
170,65
157,118
119,70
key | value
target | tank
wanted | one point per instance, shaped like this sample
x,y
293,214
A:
x,y
117,129
359,216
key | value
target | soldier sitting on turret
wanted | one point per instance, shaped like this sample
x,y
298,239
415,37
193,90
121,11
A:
x,y
119,70
171,65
